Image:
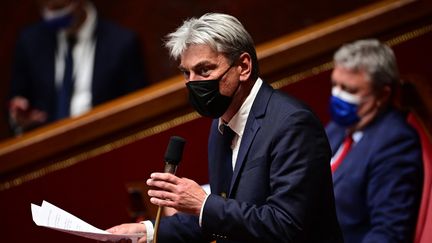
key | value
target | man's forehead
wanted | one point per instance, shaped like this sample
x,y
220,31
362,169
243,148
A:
x,y
352,78
196,55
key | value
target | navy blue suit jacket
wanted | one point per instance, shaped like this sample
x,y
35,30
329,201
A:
x,y
378,185
118,66
281,190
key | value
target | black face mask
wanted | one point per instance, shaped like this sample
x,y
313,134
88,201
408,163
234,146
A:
x,y
205,97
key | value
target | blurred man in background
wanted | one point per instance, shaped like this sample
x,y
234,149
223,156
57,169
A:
x,y
376,163
69,62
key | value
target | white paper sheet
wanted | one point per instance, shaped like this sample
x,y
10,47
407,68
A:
x,y
50,216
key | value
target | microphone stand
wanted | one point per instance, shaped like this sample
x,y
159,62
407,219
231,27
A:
x,y
157,222
169,168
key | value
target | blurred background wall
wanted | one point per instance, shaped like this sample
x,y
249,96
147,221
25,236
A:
x,y
152,20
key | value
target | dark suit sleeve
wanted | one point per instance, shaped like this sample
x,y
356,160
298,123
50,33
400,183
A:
x,y
119,65
181,228
133,66
21,84
296,153
394,188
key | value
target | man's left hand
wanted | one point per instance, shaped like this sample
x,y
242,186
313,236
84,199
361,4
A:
x,y
183,194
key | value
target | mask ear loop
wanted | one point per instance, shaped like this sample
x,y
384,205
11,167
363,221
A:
x,y
239,83
226,71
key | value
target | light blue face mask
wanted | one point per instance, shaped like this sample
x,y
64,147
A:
x,y
343,107
59,19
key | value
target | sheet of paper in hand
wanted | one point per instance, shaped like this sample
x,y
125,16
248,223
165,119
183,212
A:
x,y
50,216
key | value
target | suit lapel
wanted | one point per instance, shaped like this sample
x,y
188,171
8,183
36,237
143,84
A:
x,y
341,170
45,65
253,125
100,57
337,135
248,137
351,162
49,63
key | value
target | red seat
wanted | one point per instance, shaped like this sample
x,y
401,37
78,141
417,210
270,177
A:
x,y
423,233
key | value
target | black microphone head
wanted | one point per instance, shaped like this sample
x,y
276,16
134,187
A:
x,y
174,151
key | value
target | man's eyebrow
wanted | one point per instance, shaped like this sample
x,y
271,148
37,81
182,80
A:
x,y
198,65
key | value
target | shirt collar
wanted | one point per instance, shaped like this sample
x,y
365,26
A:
x,y
89,25
357,136
85,32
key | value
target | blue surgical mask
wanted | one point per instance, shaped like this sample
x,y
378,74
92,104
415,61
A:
x,y
59,19
343,107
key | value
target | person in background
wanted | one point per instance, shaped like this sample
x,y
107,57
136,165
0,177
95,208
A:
x,y
69,62
376,163
268,155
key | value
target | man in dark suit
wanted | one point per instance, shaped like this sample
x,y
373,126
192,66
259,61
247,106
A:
x,y
268,155
376,164
105,63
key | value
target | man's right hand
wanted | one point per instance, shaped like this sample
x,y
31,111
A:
x,y
23,116
132,228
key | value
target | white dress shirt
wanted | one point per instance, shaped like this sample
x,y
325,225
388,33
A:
x,y
356,136
83,62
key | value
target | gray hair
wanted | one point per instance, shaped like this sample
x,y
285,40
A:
x,y
372,56
221,32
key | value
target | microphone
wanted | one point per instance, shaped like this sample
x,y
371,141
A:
x,y
173,155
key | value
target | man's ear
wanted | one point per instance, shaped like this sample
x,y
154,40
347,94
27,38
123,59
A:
x,y
245,66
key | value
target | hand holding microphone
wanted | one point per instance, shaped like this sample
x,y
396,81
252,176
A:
x,y
173,156
168,190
